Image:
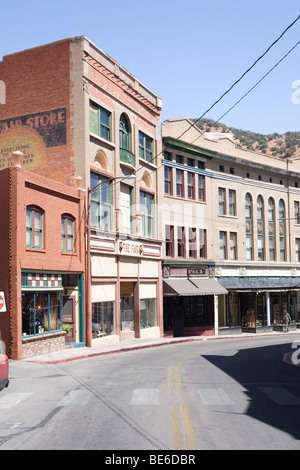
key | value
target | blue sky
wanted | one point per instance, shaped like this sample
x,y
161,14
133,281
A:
x,y
189,53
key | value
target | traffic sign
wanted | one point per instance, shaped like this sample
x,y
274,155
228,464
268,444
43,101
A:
x,y
2,302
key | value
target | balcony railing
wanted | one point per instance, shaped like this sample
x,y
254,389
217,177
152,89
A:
x,y
127,157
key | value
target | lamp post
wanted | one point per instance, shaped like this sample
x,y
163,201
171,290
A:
x,y
88,256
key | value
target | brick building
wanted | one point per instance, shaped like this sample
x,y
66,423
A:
x,y
42,263
73,110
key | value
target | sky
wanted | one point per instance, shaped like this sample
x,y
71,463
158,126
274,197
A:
x,y
187,52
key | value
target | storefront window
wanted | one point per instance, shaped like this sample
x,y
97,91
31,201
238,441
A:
x,y
41,312
103,319
127,313
148,313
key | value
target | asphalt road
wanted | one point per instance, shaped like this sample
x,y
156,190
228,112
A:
x,y
219,395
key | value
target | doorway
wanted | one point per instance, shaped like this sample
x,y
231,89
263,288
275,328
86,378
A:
x,y
69,317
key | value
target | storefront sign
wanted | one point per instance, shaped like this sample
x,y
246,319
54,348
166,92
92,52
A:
x,y
197,272
130,248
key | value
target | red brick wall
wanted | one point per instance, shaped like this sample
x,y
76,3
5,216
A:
x,y
4,254
38,81
19,188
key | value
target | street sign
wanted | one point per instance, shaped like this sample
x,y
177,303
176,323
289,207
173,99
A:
x,y
2,302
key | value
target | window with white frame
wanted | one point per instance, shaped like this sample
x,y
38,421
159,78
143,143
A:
x,y
233,246
260,228
145,147
282,241
222,201
101,201
67,233
271,223
34,227
147,213
249,227
223,243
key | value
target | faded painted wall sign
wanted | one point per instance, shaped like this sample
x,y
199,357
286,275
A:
x,y
32,134
50,125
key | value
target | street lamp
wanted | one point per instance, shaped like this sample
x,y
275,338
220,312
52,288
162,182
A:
x,y
88,255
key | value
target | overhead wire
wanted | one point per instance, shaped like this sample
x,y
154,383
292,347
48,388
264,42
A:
x,y
193,124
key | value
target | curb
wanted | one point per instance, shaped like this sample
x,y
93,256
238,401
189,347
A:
x,y
286,358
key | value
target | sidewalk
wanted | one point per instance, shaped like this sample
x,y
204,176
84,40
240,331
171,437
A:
x,y
71,354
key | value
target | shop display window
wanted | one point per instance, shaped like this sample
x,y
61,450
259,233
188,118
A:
x,y
148,313
103,319
41,312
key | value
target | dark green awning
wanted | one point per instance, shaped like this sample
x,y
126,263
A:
x,y
188,148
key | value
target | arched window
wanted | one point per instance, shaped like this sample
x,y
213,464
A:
x,y
34,227
124,133
67,233
271,222
282,241
249,230
126,156
260,229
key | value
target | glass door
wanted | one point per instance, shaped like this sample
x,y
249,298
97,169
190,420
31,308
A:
x,y
69,318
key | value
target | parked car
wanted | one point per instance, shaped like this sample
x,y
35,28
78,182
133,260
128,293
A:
x,y
4,368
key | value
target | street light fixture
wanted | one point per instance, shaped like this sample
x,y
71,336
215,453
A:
x,y
88,255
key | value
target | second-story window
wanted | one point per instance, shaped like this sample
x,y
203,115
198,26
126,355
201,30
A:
x,y
202,243
67,233
180,242
169,240
201,188
223,245
191,185
168,181
34,227
147,213
232,202
192,243
296,212
179,183
101,202
222,201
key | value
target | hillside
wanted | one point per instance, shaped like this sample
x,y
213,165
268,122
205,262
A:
x,y
276,145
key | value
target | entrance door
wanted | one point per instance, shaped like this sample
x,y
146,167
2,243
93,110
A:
x,y
69,317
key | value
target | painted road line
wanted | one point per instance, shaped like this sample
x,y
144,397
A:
x,y
214,396
145,396
183,435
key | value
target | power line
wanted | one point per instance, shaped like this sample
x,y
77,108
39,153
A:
x,y
242,76
257,83
236,82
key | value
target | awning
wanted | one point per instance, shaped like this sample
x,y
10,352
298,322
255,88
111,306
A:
x,y
187,287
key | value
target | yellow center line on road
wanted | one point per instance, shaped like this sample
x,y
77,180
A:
x,y
180,413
